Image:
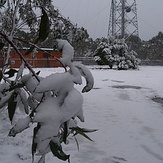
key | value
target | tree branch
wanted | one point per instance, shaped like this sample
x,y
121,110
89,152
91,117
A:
x,y
20,55
42,50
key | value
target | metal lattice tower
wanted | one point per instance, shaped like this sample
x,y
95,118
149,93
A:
x,y
123,19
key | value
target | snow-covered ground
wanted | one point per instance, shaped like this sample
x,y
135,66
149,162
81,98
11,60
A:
x,y
120,106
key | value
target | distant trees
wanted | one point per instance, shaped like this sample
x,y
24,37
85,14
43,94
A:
x,y
155,47
146,50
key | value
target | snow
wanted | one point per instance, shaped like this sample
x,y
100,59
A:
x,y
67,51
120,106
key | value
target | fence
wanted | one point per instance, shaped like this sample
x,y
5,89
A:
x,y
151,63
39,59
44,60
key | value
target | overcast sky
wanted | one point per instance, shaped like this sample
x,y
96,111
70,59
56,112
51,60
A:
x,y
93,15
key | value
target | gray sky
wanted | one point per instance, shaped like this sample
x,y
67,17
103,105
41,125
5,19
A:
x,y
93,15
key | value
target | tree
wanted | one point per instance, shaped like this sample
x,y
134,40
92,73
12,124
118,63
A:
x,y
53,103
116,53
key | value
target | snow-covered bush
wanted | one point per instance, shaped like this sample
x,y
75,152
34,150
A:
x,y
116,53
103,54
52,103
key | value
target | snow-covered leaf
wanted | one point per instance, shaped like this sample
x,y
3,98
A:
x,y
21,125
24,100
61,81
20,71
86,73
11,72
5,99
67,51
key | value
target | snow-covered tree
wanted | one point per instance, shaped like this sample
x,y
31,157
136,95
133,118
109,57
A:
x,y
115,52
52,103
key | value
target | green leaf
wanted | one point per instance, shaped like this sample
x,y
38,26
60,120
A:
x,y
30,50
37,73
12,106
82,131
34,144
44,27
11,72
1,75
19,85
57,151
88,130
2,3
1,45
65,133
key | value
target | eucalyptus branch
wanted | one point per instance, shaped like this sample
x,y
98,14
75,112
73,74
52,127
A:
x,y
14,17
42,51
6,59
20,55
23,23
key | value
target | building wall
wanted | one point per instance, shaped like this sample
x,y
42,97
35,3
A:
x,y
37,60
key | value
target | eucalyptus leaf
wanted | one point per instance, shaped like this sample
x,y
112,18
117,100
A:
x,y
34,144
24,100
44,27
1,75
12,106
20,71
1,45
4,100
18,85
56,149
30,50
65,132
11,72
82,131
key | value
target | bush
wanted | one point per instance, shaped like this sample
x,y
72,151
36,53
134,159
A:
x,y
116,53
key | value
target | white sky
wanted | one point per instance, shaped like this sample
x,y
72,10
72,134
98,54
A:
x,y
93,15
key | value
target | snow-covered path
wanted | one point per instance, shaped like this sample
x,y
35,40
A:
x,y
129,123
